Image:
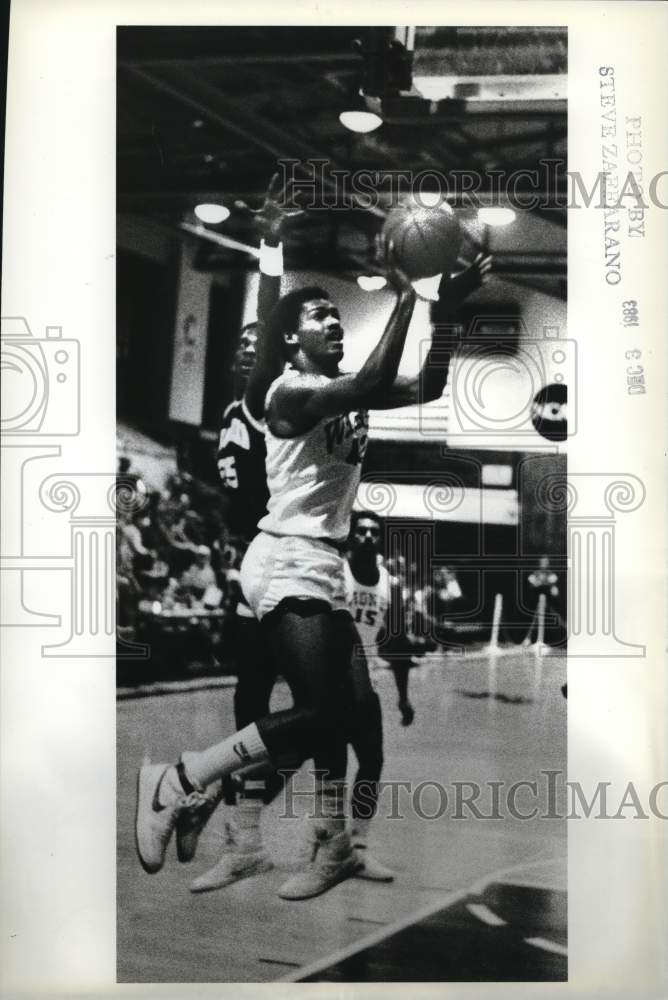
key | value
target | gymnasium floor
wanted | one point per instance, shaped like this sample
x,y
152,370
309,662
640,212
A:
x,y
473,899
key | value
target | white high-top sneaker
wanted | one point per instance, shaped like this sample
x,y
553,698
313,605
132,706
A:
x,y
332,861
235,863
370,867
155,820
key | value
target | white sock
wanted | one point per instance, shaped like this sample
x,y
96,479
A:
x,y
359,832
243,748
247,815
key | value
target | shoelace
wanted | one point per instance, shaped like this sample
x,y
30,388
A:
x,y
227,837
320,839
194,803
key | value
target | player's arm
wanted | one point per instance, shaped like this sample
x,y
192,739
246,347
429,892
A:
x,y
269,363
428,384
294,407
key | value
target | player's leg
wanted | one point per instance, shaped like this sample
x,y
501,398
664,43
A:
x,y
188,791
307,647
401,666
366,738
313,650
399,650
246,792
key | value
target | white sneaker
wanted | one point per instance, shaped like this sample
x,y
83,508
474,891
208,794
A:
x,y
332,861
233,866
370,867
154,823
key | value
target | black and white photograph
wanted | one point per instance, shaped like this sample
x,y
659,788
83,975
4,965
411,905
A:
x,y
342,380
333,536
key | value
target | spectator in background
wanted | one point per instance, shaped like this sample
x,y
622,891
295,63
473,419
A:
x,y
153,532
133,550
446,596
127,587
433,604
446,588
543,581
125,476
182,536
199,577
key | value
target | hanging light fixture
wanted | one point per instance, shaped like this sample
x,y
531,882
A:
x,y
496,216
212,214
358,118
360,112
371,282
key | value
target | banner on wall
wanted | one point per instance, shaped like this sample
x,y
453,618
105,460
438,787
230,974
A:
x,y
186,395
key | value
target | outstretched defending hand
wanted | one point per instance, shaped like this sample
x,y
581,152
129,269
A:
x,y
273,211
459,286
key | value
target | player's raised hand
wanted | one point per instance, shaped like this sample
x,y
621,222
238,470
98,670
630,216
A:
x,y
481,267
457,287
274,210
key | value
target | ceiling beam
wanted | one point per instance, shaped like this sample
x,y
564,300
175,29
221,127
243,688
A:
x,y
556,215
236,116
470,111
234,59
535,136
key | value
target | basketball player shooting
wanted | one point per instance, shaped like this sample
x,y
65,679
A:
x,y
293,574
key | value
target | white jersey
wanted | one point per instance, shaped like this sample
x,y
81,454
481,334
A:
x,y
368,606
313,477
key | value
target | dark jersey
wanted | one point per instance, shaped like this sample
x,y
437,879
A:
x,y
241,464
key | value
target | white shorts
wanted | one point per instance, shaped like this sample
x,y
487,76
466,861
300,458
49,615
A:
x,y
280,566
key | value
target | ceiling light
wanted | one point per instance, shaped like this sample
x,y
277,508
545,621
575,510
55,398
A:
x,y
371,282
360,121
212,214
428,199
496,216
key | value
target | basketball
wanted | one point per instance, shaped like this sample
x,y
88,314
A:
x,y
426,240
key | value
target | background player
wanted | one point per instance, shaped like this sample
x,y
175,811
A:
x,y
371,592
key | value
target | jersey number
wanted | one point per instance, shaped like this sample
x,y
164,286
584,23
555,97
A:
x,y
369,617
228,472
